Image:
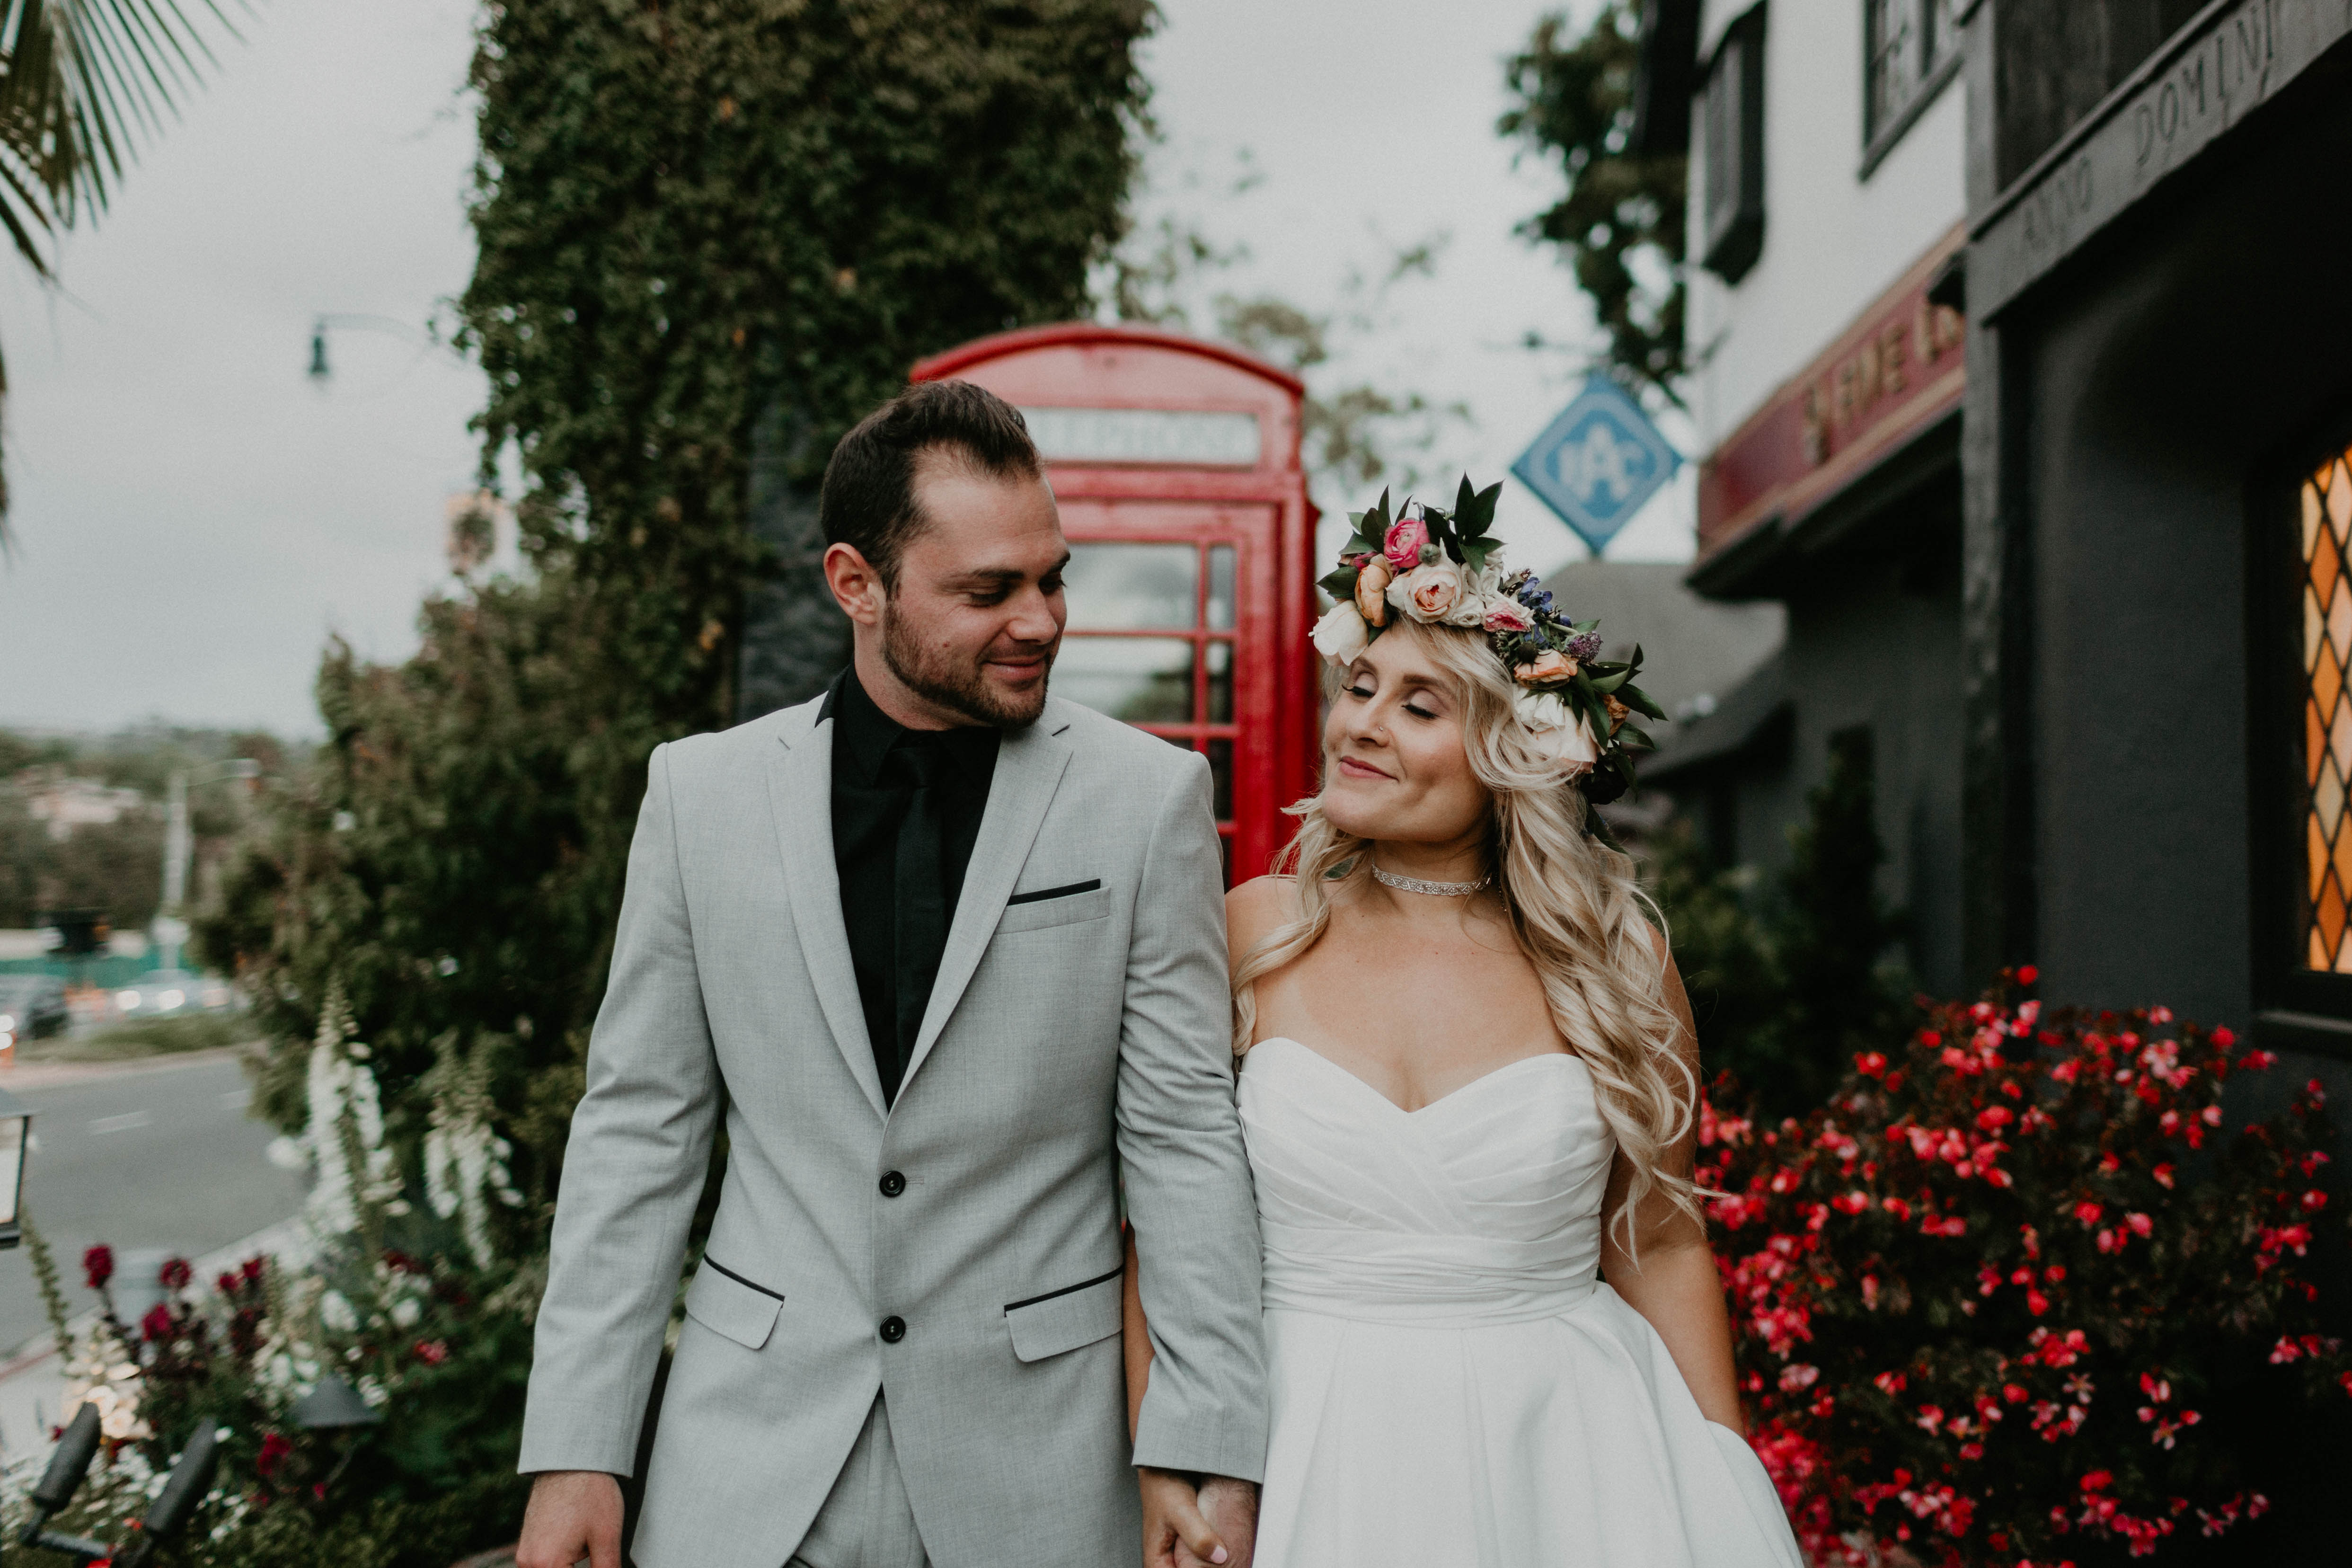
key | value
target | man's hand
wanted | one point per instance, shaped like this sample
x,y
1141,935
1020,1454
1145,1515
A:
x,y
574,1517
1208,1521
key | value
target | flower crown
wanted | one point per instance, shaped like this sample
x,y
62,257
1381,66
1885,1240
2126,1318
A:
x,y
1442,569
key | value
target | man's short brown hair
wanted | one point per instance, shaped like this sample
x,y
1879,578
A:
x,y
868,500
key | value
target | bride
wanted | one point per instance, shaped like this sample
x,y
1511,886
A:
x,y
1495,1330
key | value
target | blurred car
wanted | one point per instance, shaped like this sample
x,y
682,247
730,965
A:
x,y
167,993
32,1007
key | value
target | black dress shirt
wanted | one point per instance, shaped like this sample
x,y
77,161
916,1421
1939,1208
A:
x,y
873,768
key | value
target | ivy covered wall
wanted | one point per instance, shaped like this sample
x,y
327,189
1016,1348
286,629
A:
x,y
712,234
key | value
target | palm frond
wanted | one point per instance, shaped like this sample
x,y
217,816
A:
x,y
81,83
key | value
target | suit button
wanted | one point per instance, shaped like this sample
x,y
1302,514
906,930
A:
x,y
893,1183
894,1328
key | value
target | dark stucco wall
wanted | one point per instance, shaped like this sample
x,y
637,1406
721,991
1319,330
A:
x,y
1875,641
2188,355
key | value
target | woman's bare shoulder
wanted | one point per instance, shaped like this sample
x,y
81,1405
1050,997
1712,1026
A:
x,y
1256,907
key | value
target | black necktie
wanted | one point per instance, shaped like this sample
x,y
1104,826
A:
x,y
921,900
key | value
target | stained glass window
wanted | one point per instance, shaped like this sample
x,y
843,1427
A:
x,y
2328,716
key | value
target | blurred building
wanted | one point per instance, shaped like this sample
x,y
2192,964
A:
x,y
54,797
1829,198
2022,328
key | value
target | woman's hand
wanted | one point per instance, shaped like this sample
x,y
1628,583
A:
x,y
1187,1525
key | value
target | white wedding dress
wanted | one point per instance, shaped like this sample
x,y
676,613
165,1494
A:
x,y
1453,1386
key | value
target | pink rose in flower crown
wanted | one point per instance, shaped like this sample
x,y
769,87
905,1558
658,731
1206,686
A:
x,y
1507,615
1406,537
1547,667
1428,593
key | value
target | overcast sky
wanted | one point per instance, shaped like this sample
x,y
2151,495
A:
x,y
193,517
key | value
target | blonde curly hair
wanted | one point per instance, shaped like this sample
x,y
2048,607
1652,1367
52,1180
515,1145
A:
x,y
1574,904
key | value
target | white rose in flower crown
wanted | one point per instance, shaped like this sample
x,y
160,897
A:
x,y
1430,592
1560,732
1341,634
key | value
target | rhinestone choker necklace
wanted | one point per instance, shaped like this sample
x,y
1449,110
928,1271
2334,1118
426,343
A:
x,y
1436,889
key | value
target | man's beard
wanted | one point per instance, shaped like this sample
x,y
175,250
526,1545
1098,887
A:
x,y
958,688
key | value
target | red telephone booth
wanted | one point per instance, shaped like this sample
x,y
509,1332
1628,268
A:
x,y
1192,573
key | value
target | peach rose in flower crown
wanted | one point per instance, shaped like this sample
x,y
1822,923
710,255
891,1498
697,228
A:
x,y
1429,592
1372,581
1546,667
1407,537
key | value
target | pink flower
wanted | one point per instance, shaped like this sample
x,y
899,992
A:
x,y
1406,537
175,1274
2088,1213
1507,615
98,1266
274,1449
431,1353
157,1323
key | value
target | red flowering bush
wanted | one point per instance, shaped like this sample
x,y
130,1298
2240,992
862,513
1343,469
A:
x,y
1995,1301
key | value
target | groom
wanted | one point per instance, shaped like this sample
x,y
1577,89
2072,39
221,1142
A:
x,y
947,955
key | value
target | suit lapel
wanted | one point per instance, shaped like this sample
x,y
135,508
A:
x,y
800,797
1029,766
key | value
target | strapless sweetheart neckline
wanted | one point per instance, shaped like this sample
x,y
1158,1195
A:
x,y
1451,1384
1450,1094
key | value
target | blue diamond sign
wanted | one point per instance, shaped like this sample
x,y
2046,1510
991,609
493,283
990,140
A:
x,y
1598,462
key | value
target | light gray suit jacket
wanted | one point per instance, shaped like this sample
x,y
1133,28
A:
x,y
1072,1039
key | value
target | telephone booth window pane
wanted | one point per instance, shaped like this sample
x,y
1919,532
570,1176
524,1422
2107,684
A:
x,y
1220,778
1136,680
1119,587
2324,886
1220,618
1220,660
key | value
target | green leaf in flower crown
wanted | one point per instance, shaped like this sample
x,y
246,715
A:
x,y
1631,735
1607,685
1476,513
1476,551
1341,583
1582,627
1633,696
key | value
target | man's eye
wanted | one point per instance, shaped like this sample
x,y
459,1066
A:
x,y
1052,584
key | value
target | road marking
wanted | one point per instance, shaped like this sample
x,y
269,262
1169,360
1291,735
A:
x,y
127,1122
237,1097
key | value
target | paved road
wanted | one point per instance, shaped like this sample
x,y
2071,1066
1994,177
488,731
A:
x,y
161,1157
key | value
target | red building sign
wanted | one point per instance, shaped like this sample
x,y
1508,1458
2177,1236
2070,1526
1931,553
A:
x,y
1895,371
1192,574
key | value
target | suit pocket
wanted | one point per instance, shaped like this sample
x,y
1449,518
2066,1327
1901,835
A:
x,y
1037,914
735,1307
1063,1319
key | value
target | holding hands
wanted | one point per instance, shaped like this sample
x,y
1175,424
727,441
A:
x,y
1203,1522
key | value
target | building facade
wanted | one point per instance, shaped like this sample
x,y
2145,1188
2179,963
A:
x,y
2021,328
1829,197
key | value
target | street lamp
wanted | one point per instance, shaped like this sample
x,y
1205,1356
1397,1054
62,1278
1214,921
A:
x,y
171,927
15,1137
319,374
